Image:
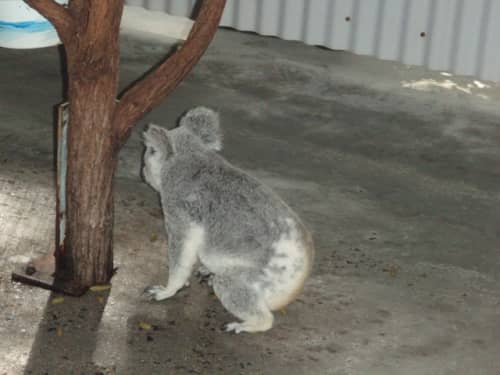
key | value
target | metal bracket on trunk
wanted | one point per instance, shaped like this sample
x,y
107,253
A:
x,y
40,271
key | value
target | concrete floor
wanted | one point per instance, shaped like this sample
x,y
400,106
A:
x,y
395,169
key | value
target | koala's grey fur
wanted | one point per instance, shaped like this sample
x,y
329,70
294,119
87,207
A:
x,y
255,246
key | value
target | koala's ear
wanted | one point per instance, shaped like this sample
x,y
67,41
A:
x,y
157,138
204,123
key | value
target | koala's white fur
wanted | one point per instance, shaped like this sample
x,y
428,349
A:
x,y
256,247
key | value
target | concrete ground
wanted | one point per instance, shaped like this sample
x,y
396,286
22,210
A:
x,y
395,169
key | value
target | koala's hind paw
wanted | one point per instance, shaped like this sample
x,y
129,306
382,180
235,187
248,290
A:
x,y
204,275
234,327
249,326
158,292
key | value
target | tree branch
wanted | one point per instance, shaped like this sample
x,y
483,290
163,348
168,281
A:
x,y
161,81
57,14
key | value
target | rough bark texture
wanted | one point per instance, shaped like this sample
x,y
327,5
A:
x,y
93,69
99,126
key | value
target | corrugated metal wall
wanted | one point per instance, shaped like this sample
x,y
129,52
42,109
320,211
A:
x,y
459,36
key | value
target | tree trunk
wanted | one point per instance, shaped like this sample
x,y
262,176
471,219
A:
x,y
87,256
93,69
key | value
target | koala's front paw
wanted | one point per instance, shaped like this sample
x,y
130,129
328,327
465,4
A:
x,y
158,292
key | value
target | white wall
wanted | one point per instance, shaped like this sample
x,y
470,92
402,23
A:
x,y
459,36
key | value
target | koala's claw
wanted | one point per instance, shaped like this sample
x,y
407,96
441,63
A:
x,y
157,293
150,291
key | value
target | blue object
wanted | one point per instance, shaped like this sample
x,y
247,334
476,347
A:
x,y
22,27
26,26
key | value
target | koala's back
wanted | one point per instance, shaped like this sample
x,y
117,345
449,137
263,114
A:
x,y
245,225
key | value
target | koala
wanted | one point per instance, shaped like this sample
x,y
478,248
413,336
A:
x,y
256,248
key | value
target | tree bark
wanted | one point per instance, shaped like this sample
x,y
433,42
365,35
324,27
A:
x,y
99,125
93,71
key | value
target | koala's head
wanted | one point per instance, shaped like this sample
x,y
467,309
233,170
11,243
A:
x,y
199,128
158,151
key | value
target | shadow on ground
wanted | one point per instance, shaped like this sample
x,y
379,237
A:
x,y
66,338
186,336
